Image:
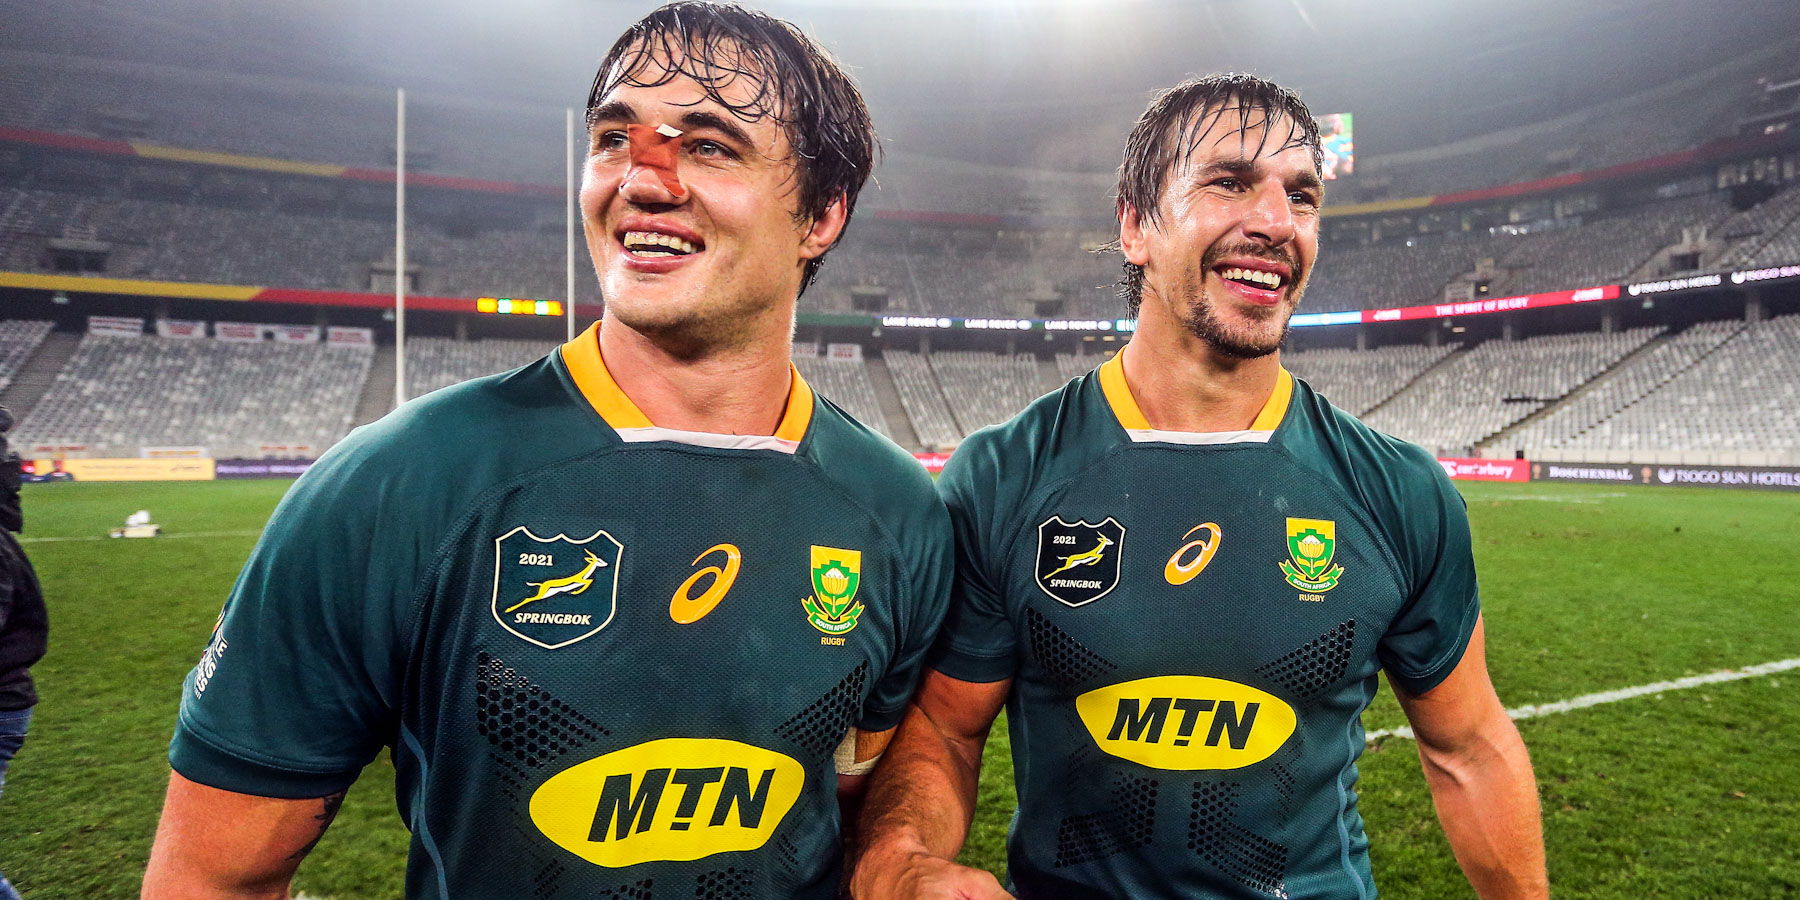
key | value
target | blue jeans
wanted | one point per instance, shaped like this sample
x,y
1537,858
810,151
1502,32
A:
x,y
12,736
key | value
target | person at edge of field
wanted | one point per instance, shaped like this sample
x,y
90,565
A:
x,y
633,619
1182,573
24,621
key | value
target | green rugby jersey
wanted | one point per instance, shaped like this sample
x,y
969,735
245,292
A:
x,y
1193,624
612,660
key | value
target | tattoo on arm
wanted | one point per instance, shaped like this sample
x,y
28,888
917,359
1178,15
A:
x,y
328,812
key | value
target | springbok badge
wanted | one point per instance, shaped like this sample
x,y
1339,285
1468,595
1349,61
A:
x,y
1078,563
558,590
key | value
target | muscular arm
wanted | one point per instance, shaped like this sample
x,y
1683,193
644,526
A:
x,y
215,844
922,797
1480,778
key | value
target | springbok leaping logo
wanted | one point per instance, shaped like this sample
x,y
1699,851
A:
x,y
571,585
1060,549
584,602
1084,558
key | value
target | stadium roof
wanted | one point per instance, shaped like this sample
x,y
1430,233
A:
x,y
989,81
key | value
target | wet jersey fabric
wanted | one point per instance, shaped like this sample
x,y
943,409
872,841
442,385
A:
x,y
1193,624
611,660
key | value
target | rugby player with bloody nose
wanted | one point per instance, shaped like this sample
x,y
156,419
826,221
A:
x,y
633,619
1182,574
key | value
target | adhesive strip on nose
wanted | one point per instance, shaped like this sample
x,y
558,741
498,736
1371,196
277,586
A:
x,y
655,149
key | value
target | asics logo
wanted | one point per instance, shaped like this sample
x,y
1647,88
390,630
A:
x,y
1190,559
686,608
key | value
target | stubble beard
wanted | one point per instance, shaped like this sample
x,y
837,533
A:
x,y
1200,316
1236,342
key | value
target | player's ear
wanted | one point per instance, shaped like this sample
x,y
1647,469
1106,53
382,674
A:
x,y
1131,235
825,229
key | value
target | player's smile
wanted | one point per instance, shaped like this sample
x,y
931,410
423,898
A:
x,y
655,245
1256,281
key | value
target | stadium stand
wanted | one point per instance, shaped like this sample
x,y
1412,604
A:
x,y
1602,250
18,338
961,272
1388,275
277,117
200,242
1679,115
989,388
1357,381
1003,242
118,395
245,229
1475,394
846,383
1739,398
452,134
923,400
1621,386
434,363
1072,365
1765,234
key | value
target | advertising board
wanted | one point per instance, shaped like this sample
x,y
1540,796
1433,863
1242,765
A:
x,y
1462,469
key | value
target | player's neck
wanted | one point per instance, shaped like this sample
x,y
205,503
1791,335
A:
x,y
737,389
1181,384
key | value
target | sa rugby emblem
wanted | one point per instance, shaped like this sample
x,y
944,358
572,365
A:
x,y
555,591
836,574
1078,563
1311,543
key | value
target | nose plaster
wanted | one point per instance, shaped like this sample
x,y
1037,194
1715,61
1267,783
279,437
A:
x,y
655,149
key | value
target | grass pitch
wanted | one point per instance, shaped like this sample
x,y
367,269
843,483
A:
x,y
1686,794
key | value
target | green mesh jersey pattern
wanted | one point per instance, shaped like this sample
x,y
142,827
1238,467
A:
x,y
1193,630
522,605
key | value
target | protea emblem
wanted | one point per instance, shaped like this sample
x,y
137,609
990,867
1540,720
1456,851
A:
x,y
833,608
1311,545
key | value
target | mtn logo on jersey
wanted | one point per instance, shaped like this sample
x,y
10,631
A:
x,y
1311,544
1079,563
836,574
555,591
1186,722
673,799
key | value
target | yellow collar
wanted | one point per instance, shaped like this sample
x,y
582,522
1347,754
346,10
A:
x,y
582,357
1131,418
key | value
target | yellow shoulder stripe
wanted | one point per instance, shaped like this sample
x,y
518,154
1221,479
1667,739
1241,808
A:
x,y
1277,406
1131,417
582,356
588,369
1118,394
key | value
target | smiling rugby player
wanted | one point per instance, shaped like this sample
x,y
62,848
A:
x,y
630,617
1182,574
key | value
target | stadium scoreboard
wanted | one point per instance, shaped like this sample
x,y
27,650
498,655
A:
x,y
518,307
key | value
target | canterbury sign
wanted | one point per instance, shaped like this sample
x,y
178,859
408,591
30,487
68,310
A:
x,y
673,799
1186,722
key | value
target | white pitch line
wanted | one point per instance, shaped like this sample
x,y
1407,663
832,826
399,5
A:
x,y
1586,700
178,534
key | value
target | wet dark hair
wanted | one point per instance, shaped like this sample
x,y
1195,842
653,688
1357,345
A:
x,y
792,79
1168,132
